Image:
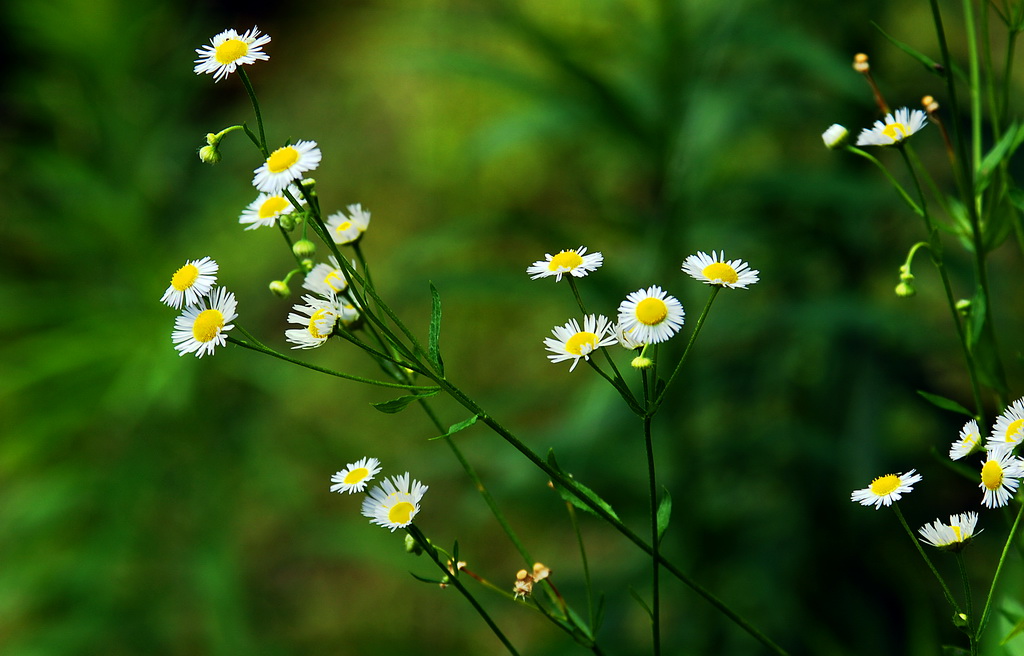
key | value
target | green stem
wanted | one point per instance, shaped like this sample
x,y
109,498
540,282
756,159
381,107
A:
x,y
927,560
652,489
968,602
999,568
881,167
652,408
576,293
591,610
256,108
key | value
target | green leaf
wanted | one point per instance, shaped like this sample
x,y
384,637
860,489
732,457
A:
x,y
581,489
1000,152
664,512
399,404
579,623
426,580
944,403
1017,629
1016,195
455,428
433,351
643,604
929,63
982,345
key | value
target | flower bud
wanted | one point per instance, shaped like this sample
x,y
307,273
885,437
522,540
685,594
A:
x,y
303,249
307,264
905,288
835,136
279,288
963,306
209,155
640,362
860,63
411,546
287,221
930,105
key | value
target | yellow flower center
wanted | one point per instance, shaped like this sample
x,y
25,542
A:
x,y
565,260
580,341
230,51
356,475
992,475
972,439
207,325
335,281
721,271
281,159
895,131
1013,430
343,226
273,206
885,485
957,533
651,311
401,513
317,316
184,277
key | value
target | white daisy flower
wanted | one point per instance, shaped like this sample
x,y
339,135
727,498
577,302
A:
x,y
969,440
203,327
326,279
191,282
625,338
835,136
715,270
229,50
354,477
952,536
346,229
1000,476
897,126
886,489
571,343
575,262
349,312
317,318
265,210
650,315
394,502
285,165
1007,431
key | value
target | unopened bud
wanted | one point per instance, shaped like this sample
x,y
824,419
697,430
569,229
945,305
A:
x,y
860,63
930,104
905,288
303,248
287,221
412,546
209,155
640,362
307,264
835,136
963,306
279,288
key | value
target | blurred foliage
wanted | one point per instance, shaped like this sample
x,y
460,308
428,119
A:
x,y
157,504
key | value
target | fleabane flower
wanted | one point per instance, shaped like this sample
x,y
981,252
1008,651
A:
x,y
897,126
201,328
317,318
265,210
1000,476
229,50
348,228
625,338
650,315
354,477
576,262
714,269
395,502
573,343
190,283
1006,432
953,536
967,442
886,489
285,165
326,279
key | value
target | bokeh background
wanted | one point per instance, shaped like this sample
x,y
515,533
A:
x,y
151,504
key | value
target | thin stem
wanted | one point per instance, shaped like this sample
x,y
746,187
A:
x,y
881,167
968,602
927,560
256,108
591,611
576,293
999,569
652,408
652,489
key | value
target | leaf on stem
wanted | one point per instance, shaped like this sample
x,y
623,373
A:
x,y
455,428
579,624
926,61
580,488
1003,150
643,604
433,351
944,403
664,512
399,404
1017,629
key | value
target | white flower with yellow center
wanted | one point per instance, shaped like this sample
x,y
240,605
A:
x,y
714,269
203,327
265,210
354,477
347,228
191,282
1000,476
394,503
572,343
952,536
1007,431
285,165
317,318
650,315
625,338
886,489
326,279
229,50
575,262
968,441
897,126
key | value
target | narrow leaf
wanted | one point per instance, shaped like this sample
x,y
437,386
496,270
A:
x,y
929,63
433,350
944,403
455,428
1017,629
643,604
1001,151
399,404
579,623
581,490
664,512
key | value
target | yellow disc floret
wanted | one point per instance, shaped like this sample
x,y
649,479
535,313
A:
x,y
992,475
356,475
581,343
651,311
185,277
401,513
273,206
207,325
885,485
282,159
721,271
565,260
231,50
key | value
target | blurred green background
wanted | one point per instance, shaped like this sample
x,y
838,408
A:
x,y
151,504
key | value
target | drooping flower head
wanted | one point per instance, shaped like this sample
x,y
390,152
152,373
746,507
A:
x,y
1008,430
967,442
953,536
267,208
326,279
716,270
576,262
1000,476
348,228
317,318
395,502
229,50
190,283
572,343
886,489
285,165
354,477
650,316
201,328
897,126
